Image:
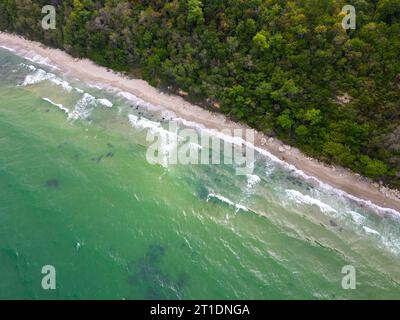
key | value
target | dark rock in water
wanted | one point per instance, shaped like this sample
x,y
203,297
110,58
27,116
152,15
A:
x,y
148,274
98,159
52,184
333,223
109,155
110,145
47,110
182,280
201,191
154,253
61,145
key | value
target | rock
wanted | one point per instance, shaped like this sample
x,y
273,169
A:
x,y
333,223
281,149
52,184
183,93
216,105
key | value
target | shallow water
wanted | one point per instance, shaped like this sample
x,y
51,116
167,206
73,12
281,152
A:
x,y
77,192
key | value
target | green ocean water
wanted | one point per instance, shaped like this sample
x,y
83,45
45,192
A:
x,y
80,195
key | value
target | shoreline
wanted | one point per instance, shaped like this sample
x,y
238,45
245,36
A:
x,y
348,183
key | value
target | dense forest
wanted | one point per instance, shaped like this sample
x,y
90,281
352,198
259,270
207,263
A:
x,y
287,68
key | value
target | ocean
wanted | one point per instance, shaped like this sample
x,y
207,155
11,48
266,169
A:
x,y
78,193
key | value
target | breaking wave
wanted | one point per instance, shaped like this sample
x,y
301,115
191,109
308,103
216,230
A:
x,y
83,107
60,106
303,199
237,206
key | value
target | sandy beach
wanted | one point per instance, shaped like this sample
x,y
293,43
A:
x,y
350,184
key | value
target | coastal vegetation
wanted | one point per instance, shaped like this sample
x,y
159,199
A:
x,y
286,68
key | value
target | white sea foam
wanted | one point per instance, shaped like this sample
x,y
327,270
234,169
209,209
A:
x,y
83,107
96,86
168,140
227,201
28,66
300,198
64,84
31,56
137,101
188,123
252,180
269,169
8,48
371,231
36,58
105,102
60,106
38,76
356,217
144,123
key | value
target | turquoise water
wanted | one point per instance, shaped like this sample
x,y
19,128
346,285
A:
x,y
77,192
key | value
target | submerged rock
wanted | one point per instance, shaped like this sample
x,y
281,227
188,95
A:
x,y
52,183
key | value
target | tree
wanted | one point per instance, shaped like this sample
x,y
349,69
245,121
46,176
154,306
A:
x,y
195,14
284,120
372,167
